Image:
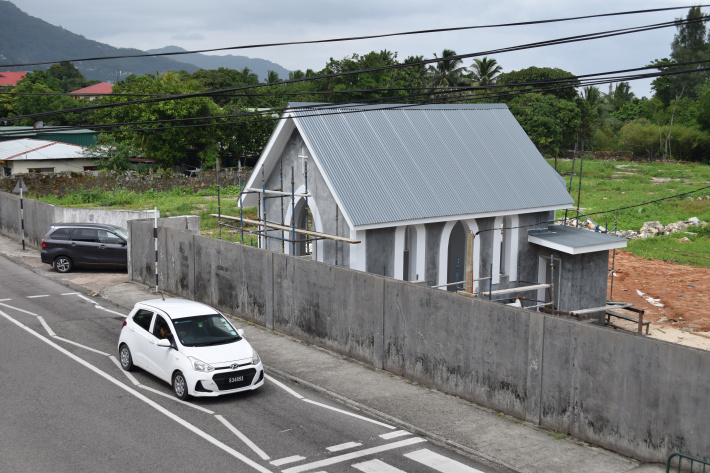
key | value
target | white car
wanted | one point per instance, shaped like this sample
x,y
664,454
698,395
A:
x,y
191,346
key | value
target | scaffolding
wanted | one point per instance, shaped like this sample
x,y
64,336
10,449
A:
x,y
266,228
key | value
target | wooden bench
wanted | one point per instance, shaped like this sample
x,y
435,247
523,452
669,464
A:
x,y
639,320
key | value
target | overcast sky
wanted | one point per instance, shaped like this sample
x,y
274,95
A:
x,y
149,24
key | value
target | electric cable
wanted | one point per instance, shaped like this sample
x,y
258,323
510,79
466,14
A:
x,y
358,38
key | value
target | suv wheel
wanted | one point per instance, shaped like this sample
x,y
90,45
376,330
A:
x,y
63,264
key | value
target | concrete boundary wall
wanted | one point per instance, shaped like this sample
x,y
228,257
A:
x,y
641,397
40,215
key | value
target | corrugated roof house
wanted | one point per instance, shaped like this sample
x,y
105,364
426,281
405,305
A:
x,y
30,155
409,182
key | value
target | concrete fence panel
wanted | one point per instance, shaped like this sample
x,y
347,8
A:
x,y
641,397
472,348
333,307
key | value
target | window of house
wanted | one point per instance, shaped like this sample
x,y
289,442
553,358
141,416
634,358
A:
x,y
39,170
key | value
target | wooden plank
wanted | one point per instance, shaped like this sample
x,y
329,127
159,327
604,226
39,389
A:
x,y
275,226
469,263
599,309
283,193
516,289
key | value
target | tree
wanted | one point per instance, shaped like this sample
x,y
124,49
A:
x,y
550,122
68,77
689,44
364,85
33,94
485,71
552,81
168,144
112,155
272,77
447,72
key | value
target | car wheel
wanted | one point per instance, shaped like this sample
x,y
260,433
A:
x,y
180,386
124,355
63,264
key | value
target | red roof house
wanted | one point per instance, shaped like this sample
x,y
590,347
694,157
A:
x,y
93,91
8,78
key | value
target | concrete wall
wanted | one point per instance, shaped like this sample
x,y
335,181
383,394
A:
x,y
39,216
638,396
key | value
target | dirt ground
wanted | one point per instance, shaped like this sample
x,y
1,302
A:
x,y
676,299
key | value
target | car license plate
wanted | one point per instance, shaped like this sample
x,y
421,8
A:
x,y
236,379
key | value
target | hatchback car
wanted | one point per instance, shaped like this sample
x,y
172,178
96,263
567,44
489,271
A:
x,y
191,346
67,245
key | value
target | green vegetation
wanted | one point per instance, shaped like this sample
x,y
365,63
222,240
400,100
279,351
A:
x,y
610,185
178,201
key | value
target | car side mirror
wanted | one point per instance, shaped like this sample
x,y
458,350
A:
x,y
164,342
240,332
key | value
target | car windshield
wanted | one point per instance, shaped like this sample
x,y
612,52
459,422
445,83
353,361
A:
x,y
205,330
121,232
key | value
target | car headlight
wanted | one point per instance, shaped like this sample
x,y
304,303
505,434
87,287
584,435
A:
x,y
255,359
199,365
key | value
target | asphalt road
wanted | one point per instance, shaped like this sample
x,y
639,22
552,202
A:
x,y
67,406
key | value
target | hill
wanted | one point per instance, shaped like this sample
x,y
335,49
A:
x,y
26,39
258,66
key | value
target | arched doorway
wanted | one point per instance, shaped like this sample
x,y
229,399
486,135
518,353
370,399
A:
x,y
452,253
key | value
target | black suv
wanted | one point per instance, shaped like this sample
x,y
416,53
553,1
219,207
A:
x,y
84,244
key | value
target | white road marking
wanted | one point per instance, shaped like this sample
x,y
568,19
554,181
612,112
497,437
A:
x,y
243,437
343,446
46,327
70,294
128,375
1,300
395,434
376,466
284,387
35,297
18,309
81,346
353,455
350,414
439,462
169,396
86,298
284,461
143,398
111,311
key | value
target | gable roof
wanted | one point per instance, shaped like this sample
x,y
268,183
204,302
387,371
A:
x,y
38,150
102,88
389,164
10,78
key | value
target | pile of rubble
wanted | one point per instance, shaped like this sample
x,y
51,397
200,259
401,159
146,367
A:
x,y
649,229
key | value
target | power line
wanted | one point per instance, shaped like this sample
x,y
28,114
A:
x,y
358,38
570,39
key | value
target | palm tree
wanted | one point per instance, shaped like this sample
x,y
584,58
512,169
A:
x,y
272,76
484,71
449,72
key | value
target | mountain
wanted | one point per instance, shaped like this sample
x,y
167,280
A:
x,y
258,66
25,39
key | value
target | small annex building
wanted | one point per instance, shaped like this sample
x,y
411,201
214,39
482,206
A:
x,y
28,155
410,182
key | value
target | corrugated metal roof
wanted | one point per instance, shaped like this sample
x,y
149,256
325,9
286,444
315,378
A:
x,y
30,149
574,240
395,163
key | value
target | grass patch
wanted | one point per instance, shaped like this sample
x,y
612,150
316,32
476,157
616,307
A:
x,y
609,185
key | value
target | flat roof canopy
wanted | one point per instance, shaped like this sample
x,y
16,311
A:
x,y
574,241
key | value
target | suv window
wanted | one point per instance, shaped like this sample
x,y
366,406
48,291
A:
x,y
161,329
143,318
84,234
109,238
60,234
